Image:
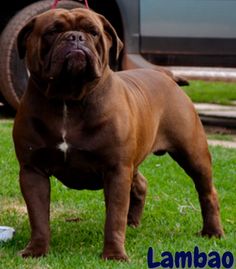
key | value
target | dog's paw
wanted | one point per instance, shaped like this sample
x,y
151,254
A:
x,y
31,252
134,219
217,232
115,256
133,223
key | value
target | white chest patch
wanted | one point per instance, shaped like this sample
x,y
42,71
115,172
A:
x,y
64,146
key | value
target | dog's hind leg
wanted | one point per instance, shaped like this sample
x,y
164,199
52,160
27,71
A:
x,y
195,159
137,199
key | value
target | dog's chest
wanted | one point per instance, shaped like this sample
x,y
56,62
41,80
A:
x,y
63,132
68,145
66,132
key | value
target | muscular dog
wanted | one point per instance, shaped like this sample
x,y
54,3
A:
x,y
91,127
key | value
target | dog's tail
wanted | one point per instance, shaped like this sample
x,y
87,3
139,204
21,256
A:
x,y
181,81
131,61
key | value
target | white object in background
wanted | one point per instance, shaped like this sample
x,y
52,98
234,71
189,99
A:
x,y
6,233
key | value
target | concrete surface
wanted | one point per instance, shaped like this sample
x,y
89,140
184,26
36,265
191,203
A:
x,y
216,110
205,73
217,115
225,144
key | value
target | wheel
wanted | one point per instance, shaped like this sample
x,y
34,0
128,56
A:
x,y
13,72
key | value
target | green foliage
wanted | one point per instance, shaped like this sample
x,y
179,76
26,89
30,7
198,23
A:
x,y
170,221
211,92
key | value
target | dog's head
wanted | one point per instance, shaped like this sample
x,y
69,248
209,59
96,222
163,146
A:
x,y
62,45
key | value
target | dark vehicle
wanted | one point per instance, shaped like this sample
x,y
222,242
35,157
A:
x,y
163,32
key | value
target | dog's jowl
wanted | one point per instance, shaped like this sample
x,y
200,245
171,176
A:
x,y
91,127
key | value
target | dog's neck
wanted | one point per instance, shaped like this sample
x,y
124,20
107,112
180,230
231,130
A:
x,y
78,90
37,82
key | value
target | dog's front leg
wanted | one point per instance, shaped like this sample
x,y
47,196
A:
x,y
35,188
117,187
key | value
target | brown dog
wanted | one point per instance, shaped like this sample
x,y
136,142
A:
x,y
92,128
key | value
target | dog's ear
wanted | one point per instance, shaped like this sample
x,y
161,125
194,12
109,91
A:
x,y
22,37
117,44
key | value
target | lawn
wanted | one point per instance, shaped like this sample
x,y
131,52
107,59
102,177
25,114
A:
x,y
211,92
170,221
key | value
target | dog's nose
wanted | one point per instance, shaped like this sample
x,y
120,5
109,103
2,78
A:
x,y
81,36
75,36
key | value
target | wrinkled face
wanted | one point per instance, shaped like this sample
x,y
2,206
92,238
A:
x,y
64,45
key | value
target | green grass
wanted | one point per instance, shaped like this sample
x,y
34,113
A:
x,y
170,221
222,137
211,92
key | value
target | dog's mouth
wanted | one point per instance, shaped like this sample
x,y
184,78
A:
x,y
76,61
69,69
76,53
67,61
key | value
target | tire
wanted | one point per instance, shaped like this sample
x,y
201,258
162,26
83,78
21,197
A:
x,y
13,72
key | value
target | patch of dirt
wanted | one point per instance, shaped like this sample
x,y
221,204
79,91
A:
x,y
15,206
219,130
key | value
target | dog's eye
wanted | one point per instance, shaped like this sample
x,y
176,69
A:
x,y
51,32
94,32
